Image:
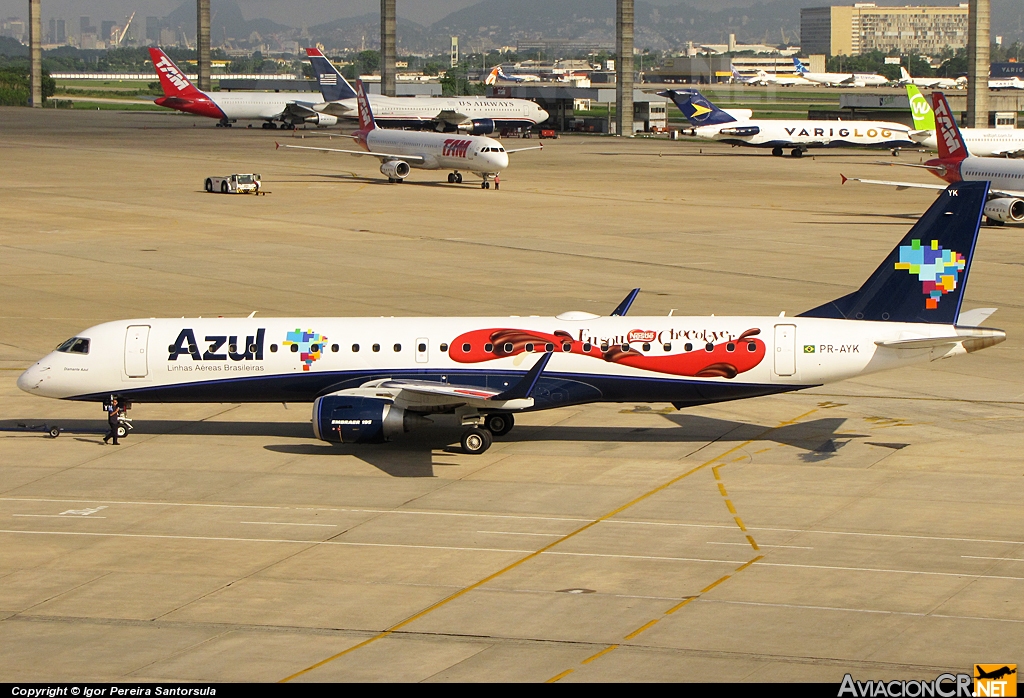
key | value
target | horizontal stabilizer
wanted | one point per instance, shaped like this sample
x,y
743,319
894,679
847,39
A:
x,y
974,318
973,339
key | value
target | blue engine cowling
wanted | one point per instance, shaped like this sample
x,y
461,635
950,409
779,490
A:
x,y
360,420
478,127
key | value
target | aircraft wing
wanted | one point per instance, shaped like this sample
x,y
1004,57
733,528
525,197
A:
x,y
1012,152
450,116
898,185
382,156
336,109
433,396
300,109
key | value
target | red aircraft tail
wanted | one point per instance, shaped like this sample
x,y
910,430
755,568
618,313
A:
x,y
366,122
951,143
172,80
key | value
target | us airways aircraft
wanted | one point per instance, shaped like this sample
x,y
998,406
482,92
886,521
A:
x,y
288,108
400,151
983,142
372,378
716,124
478,116
1005,203
840,79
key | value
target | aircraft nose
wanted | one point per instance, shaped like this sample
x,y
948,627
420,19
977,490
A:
x,y
31,379
542,115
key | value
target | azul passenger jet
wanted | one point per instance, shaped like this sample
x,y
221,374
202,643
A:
x,y
400,151
372,378
983,142
478,116
840,79
778,134
289,108
955,163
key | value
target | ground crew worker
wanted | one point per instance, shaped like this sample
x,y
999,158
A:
x,y
497,182
113,422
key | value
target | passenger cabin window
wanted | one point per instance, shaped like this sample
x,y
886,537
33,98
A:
x,y
443,347
376,347
398,348
355,348
273,348
75,345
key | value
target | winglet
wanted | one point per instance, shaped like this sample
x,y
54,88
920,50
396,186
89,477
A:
x,y
623,307
276,145
524,387
845,179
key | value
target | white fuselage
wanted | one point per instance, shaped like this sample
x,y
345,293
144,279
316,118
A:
x,y
785,133
936,83
423,109
299,359
847,79
1006,175
1013,83
984,142
441,151
259,105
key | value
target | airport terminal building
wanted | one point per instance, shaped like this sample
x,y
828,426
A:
x,y
845,30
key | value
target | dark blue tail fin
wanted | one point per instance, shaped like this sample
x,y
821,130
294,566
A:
x,y
924,278
333,85
696,108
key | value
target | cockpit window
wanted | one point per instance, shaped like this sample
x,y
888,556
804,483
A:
x,y
75,345
500,150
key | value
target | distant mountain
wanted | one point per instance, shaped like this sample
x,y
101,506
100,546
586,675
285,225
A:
x,y
12,47
226,20
364,31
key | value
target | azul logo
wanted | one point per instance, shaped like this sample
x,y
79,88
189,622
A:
x,y
946,126
217,347
642,336
456,147
308,344
172,73
937,269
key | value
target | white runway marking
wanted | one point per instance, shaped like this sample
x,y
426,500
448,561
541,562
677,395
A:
x,y
876,569
516,533
860,610
979,557
283,523
762,545
58,516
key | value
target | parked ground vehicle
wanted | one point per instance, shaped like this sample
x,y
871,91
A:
x,y
235,184
548,133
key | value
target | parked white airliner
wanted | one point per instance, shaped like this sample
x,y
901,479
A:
x,y
956,164
478,116
840,79
400,151
372,378
716,124
288,108
932,83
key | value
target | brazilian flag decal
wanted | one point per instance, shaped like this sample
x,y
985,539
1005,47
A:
x,y
808,348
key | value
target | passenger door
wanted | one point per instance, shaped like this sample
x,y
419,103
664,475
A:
x,y
136,351
785,350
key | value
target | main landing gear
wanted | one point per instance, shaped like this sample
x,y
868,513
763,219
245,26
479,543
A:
x,y
797,153
269,125
477,439
777,152
455,178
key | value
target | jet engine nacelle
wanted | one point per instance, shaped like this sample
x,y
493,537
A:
x,y
322,119
360,420
1005,210
395,169
478,127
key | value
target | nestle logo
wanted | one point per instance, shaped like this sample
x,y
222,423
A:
x,y
642,335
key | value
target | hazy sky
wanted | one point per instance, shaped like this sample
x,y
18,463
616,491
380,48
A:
x,y
284,11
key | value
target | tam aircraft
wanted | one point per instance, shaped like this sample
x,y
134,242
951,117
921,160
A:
x,y
983,142
288,108
840,79
716,124
370,379
400,151
478,116
1005,199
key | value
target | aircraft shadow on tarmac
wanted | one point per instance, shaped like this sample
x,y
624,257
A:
x,y
416,454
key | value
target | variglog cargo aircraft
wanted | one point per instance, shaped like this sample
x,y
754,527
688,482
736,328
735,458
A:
x,y
370,379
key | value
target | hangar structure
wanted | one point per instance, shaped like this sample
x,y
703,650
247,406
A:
x,y
650,112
